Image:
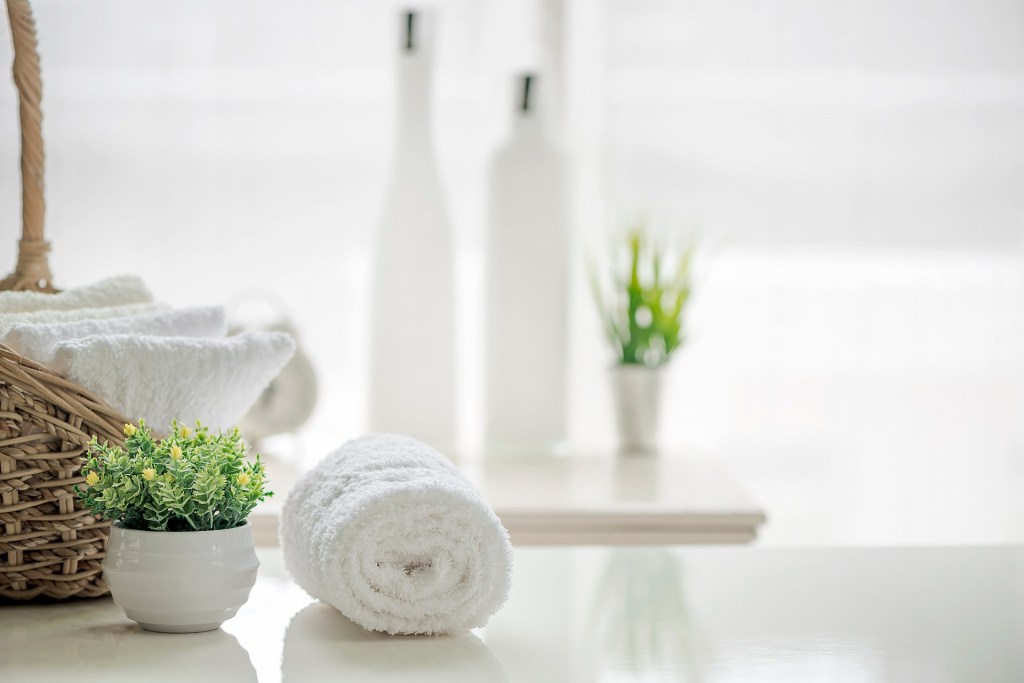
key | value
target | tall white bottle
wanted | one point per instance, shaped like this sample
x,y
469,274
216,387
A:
x,y
412,350
526,287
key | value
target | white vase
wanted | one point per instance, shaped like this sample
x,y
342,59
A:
x,y
637,394
412,325
526,288
180,581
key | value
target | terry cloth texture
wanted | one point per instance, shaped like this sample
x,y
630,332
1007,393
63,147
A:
x,y
391,534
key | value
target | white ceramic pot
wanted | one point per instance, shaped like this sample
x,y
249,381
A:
x,y
180,581
637,396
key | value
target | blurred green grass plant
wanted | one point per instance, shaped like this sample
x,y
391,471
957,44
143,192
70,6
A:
x,y
643,299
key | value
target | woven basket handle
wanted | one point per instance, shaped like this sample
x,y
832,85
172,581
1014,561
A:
x,y
33,269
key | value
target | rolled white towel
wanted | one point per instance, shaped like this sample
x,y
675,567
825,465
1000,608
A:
x,y
159,379
39,341
392,535
115,291
7,320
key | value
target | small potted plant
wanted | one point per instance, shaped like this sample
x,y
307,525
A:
x,y
181,557
642,313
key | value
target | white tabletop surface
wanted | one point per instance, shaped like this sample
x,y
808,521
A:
x,y
593,500
640,499
593,614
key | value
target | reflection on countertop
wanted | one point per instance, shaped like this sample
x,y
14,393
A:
x,y
320,639
94,640
640,615
580,615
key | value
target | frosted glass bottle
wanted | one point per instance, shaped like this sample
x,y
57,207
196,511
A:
x,y
526,288
412,350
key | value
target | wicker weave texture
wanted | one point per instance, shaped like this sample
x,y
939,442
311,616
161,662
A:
x,y
49,546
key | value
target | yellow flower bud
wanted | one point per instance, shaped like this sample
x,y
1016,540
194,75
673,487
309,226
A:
x,y
129,430
243,478
168,477
185,431
92,479
148,474
175,452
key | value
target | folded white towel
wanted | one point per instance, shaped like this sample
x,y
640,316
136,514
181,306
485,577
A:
x,y
39,341
159,379
391,534
116,291
7,320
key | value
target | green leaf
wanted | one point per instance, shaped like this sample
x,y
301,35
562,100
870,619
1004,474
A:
x,y
200,490
643,321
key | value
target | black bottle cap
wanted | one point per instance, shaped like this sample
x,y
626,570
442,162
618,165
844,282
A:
x,y
409,24
526,100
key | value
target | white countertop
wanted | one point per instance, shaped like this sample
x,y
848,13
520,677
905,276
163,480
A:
x,y
593,614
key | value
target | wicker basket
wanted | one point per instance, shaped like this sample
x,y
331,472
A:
x,y
49,546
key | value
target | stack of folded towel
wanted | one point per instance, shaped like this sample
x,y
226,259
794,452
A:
x,y
143,358
116,291
39,341
392,535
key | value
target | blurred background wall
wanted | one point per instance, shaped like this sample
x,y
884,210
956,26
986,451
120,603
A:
x,y
853,170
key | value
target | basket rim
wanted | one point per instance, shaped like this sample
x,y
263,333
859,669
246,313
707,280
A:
x,y
66,394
